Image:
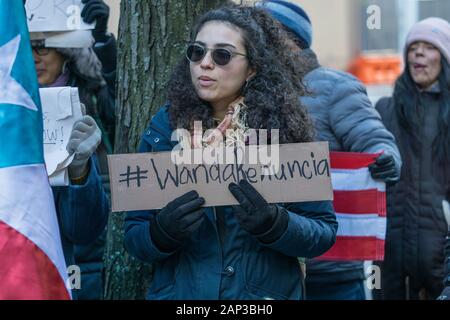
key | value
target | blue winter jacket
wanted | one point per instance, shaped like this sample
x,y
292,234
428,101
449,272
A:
x,y
221,260
82,212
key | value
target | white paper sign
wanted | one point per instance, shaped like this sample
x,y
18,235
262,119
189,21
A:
x,y
61,108
55,15
66,39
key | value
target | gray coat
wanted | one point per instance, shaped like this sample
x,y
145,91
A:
x,y
344,116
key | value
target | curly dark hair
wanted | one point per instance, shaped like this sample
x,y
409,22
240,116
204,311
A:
x,y
271,96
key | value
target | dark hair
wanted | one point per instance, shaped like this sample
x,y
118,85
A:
x,y
409,112
271,96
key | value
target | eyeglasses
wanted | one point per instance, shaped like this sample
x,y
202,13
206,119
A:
x,y
196,52
41,51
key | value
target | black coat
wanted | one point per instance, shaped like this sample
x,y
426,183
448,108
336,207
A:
x,y
416,227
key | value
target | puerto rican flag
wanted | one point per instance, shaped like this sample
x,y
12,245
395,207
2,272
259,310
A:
x,y
32,263
360,205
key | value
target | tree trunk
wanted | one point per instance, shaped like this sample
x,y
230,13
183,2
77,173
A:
x,y
152,36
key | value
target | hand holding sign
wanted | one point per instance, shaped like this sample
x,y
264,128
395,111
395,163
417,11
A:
x,y
96,11
84,140
255,215
177,221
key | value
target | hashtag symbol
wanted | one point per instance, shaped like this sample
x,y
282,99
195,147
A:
x,y
137,175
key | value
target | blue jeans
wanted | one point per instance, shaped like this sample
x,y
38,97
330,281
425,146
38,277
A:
x,y
350,290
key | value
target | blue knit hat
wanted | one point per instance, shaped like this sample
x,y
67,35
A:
x,y
292,17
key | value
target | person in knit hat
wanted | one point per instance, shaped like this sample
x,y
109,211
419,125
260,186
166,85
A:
x,y
435,31
418,114
294,19
344,116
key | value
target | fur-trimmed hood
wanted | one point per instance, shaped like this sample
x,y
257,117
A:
x,y
84,62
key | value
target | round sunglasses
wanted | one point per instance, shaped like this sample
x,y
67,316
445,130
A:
x,y
196,52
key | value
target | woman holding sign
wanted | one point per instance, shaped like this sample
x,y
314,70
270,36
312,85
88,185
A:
x,y
237,73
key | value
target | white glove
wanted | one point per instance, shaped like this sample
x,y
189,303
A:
x,y
84,140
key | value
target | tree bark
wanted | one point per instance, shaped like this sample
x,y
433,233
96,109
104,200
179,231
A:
x,y
152,37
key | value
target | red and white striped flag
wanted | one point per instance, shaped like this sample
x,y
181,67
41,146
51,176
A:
x,y
360,205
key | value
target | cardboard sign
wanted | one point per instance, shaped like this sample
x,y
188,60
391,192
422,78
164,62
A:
x,y
151,180
55,15
60,108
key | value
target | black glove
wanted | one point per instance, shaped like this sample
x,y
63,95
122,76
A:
x,y
265,221
384,169
177,221
96,10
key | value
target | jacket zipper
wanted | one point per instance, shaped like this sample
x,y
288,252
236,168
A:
x,y
220,250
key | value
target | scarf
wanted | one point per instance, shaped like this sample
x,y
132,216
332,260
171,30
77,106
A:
x,y
231,130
